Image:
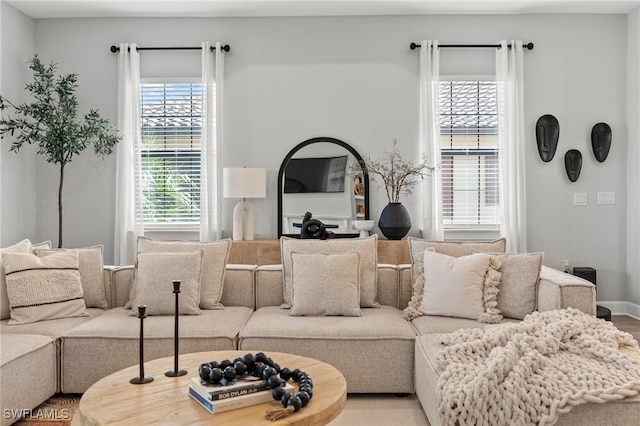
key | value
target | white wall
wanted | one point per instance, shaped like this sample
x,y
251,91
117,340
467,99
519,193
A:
x,y
354,78
633,160
17,171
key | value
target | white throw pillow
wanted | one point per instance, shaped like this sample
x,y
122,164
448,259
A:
x,y
153,284
368,272
325,284
214,262
23,246
43,288
463,287
91,274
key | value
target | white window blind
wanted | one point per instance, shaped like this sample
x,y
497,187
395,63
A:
x,y
170,153
469,152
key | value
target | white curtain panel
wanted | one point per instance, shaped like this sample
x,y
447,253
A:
x,y
128,220
211,170
510,79
432,219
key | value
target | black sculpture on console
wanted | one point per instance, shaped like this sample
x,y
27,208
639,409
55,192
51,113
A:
x,y
314,229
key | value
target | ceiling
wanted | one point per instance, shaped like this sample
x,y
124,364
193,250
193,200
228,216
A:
x,y
203,8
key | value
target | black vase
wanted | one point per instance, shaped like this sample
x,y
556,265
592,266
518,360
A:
x,y
394,221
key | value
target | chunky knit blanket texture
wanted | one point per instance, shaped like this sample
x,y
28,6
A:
x,y
528,373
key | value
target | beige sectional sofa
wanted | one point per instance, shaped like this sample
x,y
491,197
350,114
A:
x,y
71,354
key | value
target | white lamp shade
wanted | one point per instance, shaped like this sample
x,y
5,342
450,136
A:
x,y
244,182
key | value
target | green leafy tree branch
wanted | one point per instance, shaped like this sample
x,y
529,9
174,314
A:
x,y
50,121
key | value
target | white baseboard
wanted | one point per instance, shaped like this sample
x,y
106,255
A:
x,y
622,308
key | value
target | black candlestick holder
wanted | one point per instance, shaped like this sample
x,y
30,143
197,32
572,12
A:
x,y
176,372
142,379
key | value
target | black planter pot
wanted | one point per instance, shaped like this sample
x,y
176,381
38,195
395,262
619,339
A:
x,y
394,221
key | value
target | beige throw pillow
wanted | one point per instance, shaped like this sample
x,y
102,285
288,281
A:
x,y
43,288
214,262
368,269
451,248
91,274
463,287
23,246
153,284
518,296
325,284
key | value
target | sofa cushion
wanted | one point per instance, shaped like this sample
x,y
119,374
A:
x,y
434,324
29,372
153,285
325,284
520,274
91,274
367,247
43,288
23,246
214,260
450,248
464,287
52,328
357,346
117,333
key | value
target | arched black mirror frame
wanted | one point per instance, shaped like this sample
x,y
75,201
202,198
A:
x,y
356,154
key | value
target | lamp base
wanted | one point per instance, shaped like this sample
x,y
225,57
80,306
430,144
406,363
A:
x,y
243,221
173,373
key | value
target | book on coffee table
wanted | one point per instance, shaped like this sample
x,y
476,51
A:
x,y
238,387
232,403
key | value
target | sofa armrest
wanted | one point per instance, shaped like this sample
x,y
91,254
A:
x,y
406,286
239,286
559,290
121,282
269,286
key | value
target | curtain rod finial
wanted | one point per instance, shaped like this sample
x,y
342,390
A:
x,y
529,46
114,49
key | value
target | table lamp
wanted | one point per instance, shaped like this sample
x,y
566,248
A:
x,y
244,182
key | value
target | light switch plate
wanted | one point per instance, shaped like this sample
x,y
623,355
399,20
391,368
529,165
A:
x,y
579,198
606,197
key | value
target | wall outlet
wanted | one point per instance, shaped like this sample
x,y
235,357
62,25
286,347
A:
x,y
579,198
606,197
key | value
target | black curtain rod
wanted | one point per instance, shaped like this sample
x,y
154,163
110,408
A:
x,y
414,46
225,47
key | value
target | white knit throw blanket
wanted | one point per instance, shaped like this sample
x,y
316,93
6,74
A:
x,y
528,373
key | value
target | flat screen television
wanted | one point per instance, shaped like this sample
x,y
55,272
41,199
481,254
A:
x,y
309,175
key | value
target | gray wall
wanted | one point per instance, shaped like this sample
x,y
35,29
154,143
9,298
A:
x,y
17,171
354,78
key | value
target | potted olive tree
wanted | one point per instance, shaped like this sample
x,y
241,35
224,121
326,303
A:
x,y
49,120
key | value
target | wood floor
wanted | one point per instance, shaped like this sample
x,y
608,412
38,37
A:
x,y
391,410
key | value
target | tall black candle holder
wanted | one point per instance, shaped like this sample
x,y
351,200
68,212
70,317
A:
x,y
142,379
176,372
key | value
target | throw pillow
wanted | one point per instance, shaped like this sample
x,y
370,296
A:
x,y
368,271
153,284
518,294
91,274
463,287
42,245
23,246
451,248
214,262
43,288
325,284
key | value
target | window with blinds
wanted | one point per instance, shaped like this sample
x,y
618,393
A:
x,y
171,120
469,151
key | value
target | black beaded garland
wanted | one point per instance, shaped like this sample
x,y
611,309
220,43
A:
x,y
262,366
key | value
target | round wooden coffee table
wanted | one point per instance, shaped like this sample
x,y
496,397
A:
x,y
166,400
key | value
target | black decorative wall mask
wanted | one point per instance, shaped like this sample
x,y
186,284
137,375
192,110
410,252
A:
x,y
547,134
573,164
601,141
